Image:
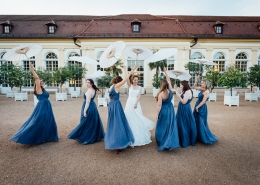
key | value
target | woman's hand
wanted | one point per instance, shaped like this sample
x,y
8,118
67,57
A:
x,y
197,109
175,86
164,69
31,65
198,77
135,106
85,115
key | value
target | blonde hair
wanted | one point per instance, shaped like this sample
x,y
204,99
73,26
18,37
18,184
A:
x,y
207,84
164,86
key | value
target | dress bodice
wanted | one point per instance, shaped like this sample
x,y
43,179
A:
x,y
134,93
92,99
113,95
201,96
43,96
168,100
189,100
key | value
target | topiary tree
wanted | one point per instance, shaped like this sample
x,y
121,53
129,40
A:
x,y
213,77
157,77
45,75
104,82
61,75
4,68
115,69
76,72
253,76
232,78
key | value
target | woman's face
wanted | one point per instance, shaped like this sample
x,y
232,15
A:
x,y
135,81
89,85
41,83
202,84
181,86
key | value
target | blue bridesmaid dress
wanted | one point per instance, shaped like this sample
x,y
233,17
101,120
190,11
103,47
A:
x,y
118,134
90,128
186,124
201,118
166,132
41,126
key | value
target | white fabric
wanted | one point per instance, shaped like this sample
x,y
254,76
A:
x,y
139,124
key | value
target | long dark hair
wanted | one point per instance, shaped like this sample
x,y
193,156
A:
x,y
93,85
164,86
34,88
116,79
186,86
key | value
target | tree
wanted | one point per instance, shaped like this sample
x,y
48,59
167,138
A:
x,y
253,76
232,78
213,77
157,77
194,68
61,75
114,70
45,75
4,68
76,72
104,82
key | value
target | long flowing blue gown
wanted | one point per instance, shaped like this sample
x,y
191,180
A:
x,y
166,132
41,126
201,118
118,134
90,128
186,124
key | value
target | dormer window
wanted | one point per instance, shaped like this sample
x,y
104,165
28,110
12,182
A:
x,y
218,26
52,26
136,24
258,26
7,26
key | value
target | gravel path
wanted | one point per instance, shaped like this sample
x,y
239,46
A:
x,y
235,159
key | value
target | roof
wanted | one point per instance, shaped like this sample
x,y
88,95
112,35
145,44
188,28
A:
x,y
172,26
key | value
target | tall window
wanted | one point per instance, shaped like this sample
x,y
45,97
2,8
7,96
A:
x,y
78,82
135,28
170,63
193,74
3,76
52,64
219,59
98,58
219,29
241,62
6,29
26,66
139,71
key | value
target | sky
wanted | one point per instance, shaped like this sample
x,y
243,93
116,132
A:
x,y
116,7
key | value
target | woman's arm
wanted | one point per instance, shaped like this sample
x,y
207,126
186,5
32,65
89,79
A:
x,y
195,83
36,79
168,79
159,104
206,95
89,96
118,85
186,97
138,97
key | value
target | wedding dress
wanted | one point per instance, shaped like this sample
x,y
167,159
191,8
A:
x,y
139,124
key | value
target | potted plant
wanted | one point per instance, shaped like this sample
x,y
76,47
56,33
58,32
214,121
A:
x,y
253,77
103,83
230,79
3,78
157,77
61,75
212,76
76,74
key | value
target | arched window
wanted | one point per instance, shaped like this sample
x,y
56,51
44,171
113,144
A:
x,y
26,66
219,59
139,70
98,58
193,74
170,63
78,82
51,61
3,75
241,62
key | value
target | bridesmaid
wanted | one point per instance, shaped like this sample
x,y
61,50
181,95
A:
x,y
201,113
118,135
166,133
185,119
90,128
41,126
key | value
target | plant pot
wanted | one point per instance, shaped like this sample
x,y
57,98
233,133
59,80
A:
x,y
74,94
102,101
251,96
258,93
21,96
70,89
61,96
10,94
155,92
5,89
195,93
231,100
228,92
213,96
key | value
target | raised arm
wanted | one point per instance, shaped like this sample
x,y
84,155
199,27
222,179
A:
x,y
118,85
185,98
36,79
89,95
168,79
206,95
195,83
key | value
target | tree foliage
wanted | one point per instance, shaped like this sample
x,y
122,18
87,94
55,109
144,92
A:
x,y
104,82
115,69
213,77
61,75
253,77
45,75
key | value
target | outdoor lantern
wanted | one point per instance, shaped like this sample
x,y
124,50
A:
x,y
7,26
136,24
218,26
52,26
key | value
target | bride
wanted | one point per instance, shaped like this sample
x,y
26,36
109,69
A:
x,y
139,124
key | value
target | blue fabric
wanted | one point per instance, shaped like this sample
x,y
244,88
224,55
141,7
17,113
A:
x,y
118,134
186,124
90,128
41,126
201,118
166,133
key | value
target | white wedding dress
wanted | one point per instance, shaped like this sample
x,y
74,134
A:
x,y
139,124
